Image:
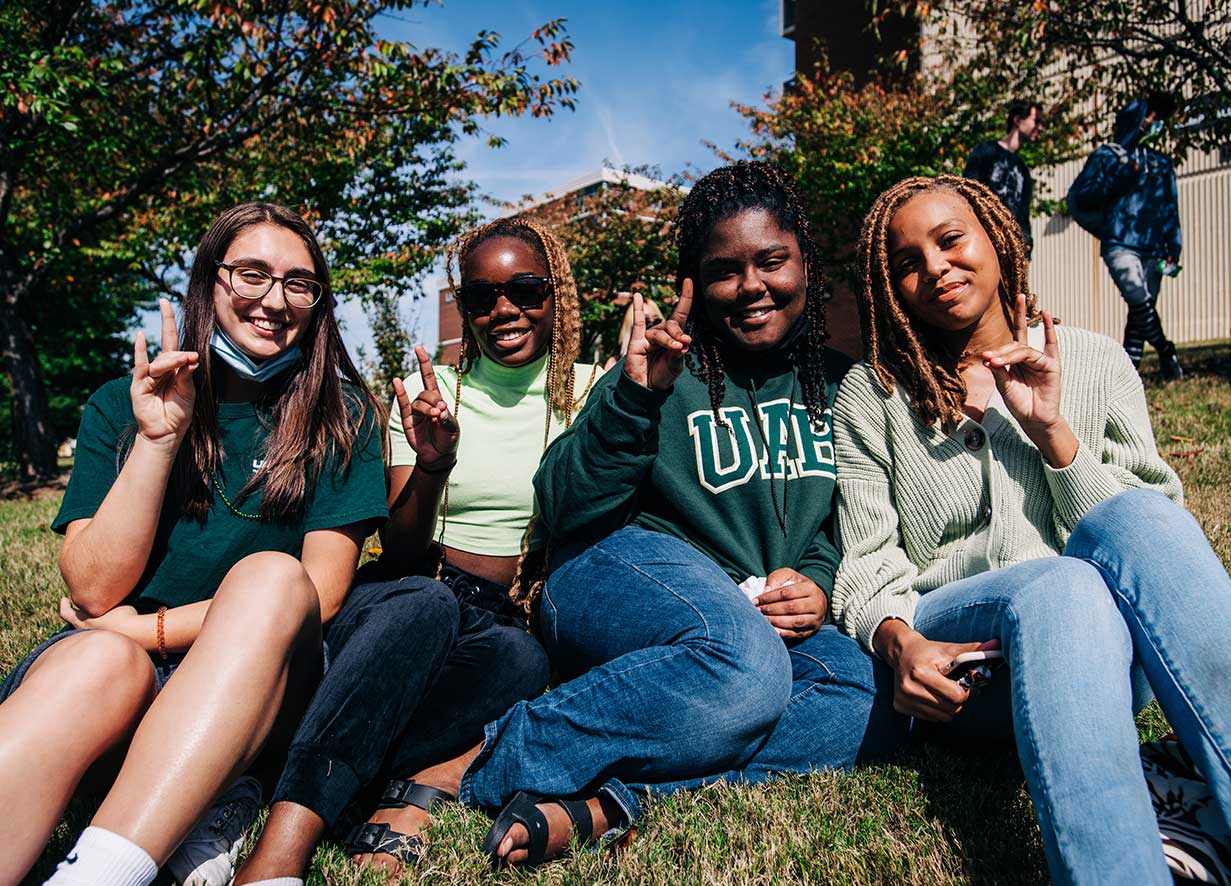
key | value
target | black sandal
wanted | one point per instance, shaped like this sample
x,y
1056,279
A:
x,y
372,838
523,809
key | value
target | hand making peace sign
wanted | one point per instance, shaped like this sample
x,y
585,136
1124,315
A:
x,y
163,392
1029,380
655,359
431,430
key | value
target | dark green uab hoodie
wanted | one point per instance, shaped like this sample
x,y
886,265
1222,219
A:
x,y
754,497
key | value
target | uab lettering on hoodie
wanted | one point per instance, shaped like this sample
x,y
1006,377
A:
x,y
786,446
753,491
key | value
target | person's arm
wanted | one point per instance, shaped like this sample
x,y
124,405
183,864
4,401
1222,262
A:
x,y
1171,218
590,475
104,556
874,578
1129,457
423,438
329,557
1106,175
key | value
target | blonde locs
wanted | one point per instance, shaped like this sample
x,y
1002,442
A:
x,y
566,314
563,351
893,347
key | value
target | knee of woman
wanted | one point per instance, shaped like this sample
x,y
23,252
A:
x,y
106,666
524,660
273,585
1132,520
419,605
757,690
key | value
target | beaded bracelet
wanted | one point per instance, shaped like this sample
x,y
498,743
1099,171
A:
x,y
162,637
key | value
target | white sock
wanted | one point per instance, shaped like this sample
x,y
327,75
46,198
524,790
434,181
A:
x,y
278,881
103,858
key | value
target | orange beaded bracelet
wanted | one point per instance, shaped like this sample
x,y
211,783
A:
x,y
162,637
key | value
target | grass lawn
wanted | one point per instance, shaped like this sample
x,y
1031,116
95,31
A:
x,y
929,818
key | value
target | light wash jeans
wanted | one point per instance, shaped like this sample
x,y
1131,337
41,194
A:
x,y
682,682
1137,589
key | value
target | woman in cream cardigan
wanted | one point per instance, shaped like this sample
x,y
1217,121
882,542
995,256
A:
x,y
998,481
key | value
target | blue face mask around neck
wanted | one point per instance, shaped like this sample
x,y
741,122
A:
x,y
247,368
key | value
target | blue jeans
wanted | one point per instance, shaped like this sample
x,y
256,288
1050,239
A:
x,y
682,681
1138,589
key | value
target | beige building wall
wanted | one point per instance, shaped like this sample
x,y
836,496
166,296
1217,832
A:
x,y
1072,281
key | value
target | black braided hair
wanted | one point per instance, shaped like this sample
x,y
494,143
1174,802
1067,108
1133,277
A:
x,y
725,192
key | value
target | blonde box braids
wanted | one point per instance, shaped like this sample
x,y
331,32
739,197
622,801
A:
x,y
893,347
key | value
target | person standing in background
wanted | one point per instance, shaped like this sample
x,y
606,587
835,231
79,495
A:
x,y
997,164
1134,187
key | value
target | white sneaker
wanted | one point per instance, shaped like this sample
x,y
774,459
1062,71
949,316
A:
x,y
208,854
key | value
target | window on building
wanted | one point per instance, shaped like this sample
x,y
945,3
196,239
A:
x,y
788,18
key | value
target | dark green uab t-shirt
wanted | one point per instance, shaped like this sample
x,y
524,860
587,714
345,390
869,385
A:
x,y
190,557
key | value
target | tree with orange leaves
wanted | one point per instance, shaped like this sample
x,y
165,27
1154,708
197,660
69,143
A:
x,y
126,126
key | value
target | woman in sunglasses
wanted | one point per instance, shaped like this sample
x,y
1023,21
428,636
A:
x,y
396,708
212,522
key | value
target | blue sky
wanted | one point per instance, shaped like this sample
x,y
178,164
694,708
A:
x,y
657,82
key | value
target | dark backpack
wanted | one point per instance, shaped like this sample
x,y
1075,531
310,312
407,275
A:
x,y
1091,218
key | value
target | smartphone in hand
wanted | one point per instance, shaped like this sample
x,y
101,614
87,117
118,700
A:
x,y
971,670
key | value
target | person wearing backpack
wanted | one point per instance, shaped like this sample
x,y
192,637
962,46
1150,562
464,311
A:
x,y
1126,196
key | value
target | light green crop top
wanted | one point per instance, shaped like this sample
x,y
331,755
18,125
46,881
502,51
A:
x,y
502,417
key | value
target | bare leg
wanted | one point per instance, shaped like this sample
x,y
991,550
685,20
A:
x,y
211,719
46,744
286,844
410,820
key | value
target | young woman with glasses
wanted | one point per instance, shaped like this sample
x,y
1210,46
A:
x,y
400,702
212,523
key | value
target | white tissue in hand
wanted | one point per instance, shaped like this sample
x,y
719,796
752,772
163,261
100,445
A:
x,y
753,587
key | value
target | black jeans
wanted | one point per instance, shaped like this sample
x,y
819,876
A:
x,y
413,677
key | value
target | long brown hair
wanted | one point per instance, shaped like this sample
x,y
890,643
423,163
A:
x,y
316,410
901,349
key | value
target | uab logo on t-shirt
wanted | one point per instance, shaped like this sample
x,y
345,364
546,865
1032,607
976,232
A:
x,y
792,445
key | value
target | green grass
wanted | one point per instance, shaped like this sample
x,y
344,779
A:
x,y
932,817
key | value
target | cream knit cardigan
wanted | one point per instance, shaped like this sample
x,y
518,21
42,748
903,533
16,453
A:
x,y
918,509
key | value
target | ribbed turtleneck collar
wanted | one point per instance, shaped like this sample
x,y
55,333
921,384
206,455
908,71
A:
x,y
491,373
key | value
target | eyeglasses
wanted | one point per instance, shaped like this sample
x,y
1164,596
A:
x,y
525,292
253,283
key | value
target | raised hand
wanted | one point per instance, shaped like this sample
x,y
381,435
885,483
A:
x,y
163,392
655,359
431,430
1028,380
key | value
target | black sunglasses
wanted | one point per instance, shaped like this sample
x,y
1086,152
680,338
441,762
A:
x,y
525,292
